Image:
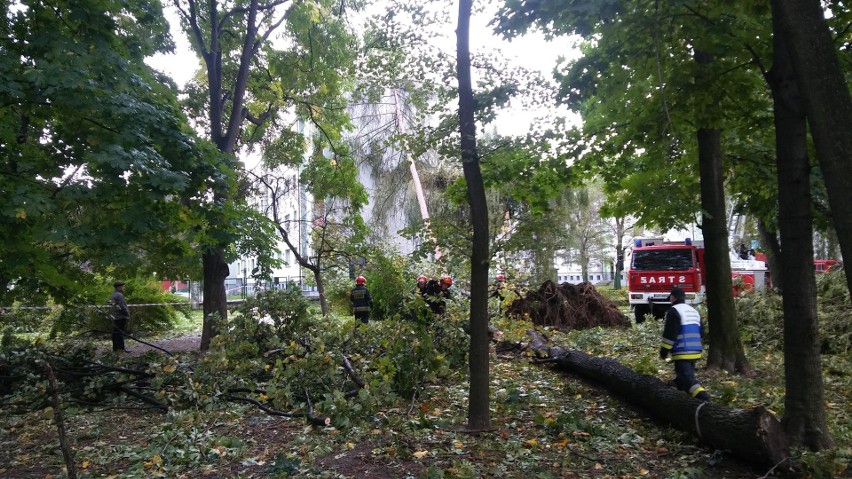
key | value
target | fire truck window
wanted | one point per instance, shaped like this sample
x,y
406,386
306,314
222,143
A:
x,y
662,260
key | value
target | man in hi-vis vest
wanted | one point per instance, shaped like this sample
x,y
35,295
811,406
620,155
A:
x,y
682,338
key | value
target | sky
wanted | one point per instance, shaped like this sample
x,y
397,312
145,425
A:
x,y
531,51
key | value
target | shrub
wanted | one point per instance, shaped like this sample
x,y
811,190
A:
x,y
835,313
158,314
761,319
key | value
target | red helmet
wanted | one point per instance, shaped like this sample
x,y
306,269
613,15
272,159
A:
x,y
447,279
500,277
360,280
422,277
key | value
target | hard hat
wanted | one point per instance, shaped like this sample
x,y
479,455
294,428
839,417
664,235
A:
x,y
360,280
422,277
445,278
500,277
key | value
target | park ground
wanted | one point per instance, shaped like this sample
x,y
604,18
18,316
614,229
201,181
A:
x,y
546,424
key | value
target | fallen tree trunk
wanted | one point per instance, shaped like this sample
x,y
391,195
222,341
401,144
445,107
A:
x,y
754,435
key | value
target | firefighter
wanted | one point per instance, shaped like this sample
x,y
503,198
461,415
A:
x,y
361,300
498,288
420,287
682,335
437,292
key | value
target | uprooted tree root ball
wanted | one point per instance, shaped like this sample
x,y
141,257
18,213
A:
x,y
568,306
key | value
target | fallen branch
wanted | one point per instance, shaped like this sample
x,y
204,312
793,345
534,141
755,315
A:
x,y
144,398
67,453
351,372
316,421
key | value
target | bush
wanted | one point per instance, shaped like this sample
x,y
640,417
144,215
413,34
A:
x,y
387,283
761,320
761,316
835,313
159,313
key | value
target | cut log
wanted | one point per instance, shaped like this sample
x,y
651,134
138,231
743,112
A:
x,y
753,435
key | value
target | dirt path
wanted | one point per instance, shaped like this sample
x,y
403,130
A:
x,y
189,343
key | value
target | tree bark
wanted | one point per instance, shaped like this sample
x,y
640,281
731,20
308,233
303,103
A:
x,y
804,412
479,416
224,129
215,299
828,105
773,254
755,436
320,281
726,349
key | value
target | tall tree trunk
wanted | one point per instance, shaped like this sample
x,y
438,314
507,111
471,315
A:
x,y
773,254
828,105
215,299
323,301
726,348
478,415
804,412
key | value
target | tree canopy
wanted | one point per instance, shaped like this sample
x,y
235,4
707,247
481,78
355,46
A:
x,y
97,161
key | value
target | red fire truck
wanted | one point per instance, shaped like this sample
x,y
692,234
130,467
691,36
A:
x,y
657,265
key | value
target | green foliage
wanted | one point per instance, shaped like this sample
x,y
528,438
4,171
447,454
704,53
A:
x,y
158,314
761,320
824,464
277,344
616,296
761,316
96,155
835,315
286,310
388,283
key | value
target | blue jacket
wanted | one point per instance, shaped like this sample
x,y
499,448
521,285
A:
x,y
682,332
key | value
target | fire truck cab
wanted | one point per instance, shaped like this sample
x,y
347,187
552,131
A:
x,y
656,266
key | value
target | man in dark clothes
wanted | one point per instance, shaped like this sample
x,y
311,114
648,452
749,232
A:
x,y
120,316
437,292
420,287
682,335
361,300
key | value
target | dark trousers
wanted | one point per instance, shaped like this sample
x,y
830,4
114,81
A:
x,y
118,325
362,316
685,379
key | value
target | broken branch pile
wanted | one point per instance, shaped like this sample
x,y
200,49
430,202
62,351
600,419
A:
x,y
568,306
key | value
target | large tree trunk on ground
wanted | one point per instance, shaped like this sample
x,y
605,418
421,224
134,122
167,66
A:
x,y
754,435
804,412
828,105
478,416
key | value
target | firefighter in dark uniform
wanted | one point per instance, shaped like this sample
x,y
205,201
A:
x,y
361,300
420,287
437,292
682,335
